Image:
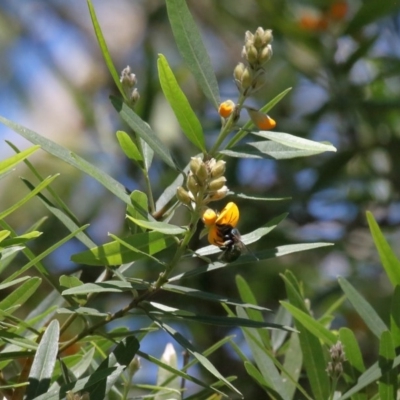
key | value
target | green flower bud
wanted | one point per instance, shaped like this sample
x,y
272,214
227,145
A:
x,y
219,194
192,185
247,79
258,37
265,54
135,96
238,72
127,78
218,169
216,184
251,54
195,163
183,195
248,37
267,37
202,174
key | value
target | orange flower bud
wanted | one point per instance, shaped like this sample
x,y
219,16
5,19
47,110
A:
x,y
226,108
260,120
209,217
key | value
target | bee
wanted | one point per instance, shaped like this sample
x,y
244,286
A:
x,y
232,246
222,232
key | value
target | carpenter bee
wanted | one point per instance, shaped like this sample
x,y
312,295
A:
x,y
232,245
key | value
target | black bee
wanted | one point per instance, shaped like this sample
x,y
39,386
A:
x,y
232,244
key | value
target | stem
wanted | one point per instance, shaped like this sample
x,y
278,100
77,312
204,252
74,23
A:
x,y
227,128
152,205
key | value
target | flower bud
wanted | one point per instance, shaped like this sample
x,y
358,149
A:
x,y
202,174
127,78
238,72
247,79
258,37
251,54
219,194
192,185
216,184
225,109
267,37
248,37
265,55
194,164
218,169
183,195
135,96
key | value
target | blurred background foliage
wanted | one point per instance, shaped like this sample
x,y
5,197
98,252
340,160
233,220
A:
x,y
342,59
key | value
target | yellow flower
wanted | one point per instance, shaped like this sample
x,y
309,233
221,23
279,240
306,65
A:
x,y
229,216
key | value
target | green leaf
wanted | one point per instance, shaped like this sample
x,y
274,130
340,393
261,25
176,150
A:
x,y
104,287
388,380
184,113
143,130
70,281
293,363
49,250
129,147
354,366
12,161
84,311
20,295
114,253
255,374
389,260
295,141
14,282
260,198
43,364
162,227
366,312
192,49
395,317
313,326
371,375
21,239
104,50
268,149
4,234
278,337
263,359
30,195
313,355
186,291
278,251
71,158
192,350
138,209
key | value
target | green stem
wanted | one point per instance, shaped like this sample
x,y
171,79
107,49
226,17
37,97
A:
x,y
227,128
152,205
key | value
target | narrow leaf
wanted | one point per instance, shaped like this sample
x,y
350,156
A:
x,y
184,113
161,227
388,380
44,362
143,130
268,149
129,147
313,356
11,162
114,253
313,326
295,141
364,309
278,251
192,49
103,47
389,260
71,158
